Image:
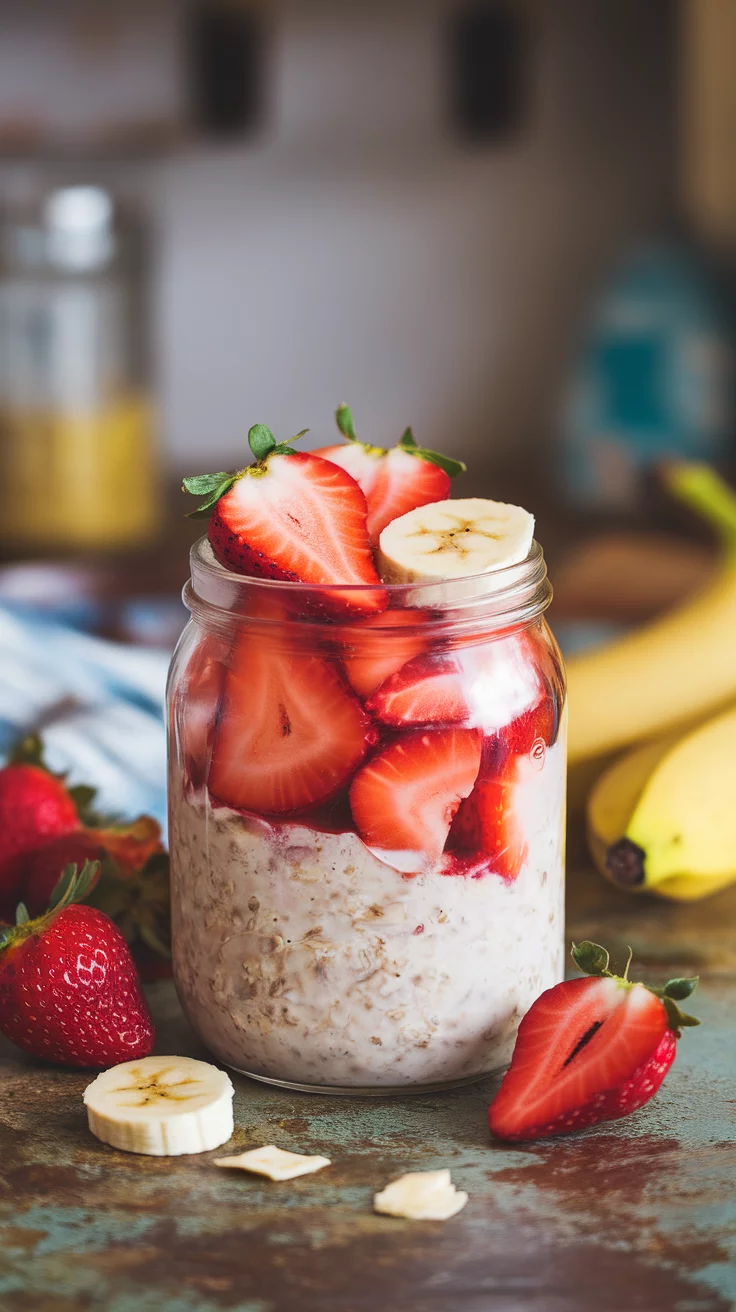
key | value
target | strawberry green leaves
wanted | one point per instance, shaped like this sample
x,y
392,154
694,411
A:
x,y
344,420
213,486
74,886
676,990
263,443
409,444
592,959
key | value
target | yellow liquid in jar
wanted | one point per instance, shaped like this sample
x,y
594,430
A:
x,y
78,480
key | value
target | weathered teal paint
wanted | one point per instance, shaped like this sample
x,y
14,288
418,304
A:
x,y
635,1215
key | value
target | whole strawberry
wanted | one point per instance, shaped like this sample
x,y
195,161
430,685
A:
x,y
34,808
69,991
41,869
123,851
589,1050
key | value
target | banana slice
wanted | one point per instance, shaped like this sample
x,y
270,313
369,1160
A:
x,y
454,539
161,1106
275,1163
421,1196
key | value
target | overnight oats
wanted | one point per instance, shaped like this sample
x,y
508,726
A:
x,y
367,773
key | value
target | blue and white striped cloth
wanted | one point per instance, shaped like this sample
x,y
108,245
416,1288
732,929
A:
x,y
98,706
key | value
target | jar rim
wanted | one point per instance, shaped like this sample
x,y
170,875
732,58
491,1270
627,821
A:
x,y
514,595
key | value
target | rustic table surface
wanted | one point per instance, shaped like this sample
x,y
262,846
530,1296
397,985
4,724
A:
x,y
634,1215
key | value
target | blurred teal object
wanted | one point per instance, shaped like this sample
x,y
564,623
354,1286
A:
x,y
655,376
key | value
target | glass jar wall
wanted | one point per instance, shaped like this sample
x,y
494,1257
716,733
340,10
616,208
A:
x,y
366,824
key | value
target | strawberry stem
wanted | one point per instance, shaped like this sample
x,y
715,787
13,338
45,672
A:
x,y
73,886
592,959
213,486
261,441
409,444
344,420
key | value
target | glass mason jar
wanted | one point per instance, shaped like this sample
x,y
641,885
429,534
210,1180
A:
x,y
366,824
77,457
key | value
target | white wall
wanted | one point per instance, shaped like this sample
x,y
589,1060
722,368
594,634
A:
x,y
356,252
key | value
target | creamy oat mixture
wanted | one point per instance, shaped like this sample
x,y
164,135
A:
x,y
302,957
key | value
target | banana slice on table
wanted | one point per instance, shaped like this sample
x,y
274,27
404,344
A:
x,y
161,1106
454,539
421,1196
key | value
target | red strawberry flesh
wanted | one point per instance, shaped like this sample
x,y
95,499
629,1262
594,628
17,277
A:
x,y
403,482
427,690
300,519
588,1050
403,800
375,654
361,462
394,482
290,732
487,822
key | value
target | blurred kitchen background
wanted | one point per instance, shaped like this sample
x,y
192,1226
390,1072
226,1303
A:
x,y
509,223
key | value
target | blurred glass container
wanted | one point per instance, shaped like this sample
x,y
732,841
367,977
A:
x,y
77,468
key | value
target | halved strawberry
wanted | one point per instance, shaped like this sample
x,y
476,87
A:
x,y
589,1050
487,820
542,719
403,800
537,725
491,686
289,734
394,481
194,706
378,653
427,690
294,517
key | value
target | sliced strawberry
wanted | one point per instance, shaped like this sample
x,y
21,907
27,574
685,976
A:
x,y
403,800
194,706
379,653
588,1050
394,481
487,820
538,725
289,734
427,690
361,462
293,517
542,720
405,480
492,686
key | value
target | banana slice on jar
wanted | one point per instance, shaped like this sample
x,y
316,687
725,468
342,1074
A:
x,y
161,1106
453,540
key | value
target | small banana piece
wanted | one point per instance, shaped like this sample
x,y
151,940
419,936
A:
x,y
421,1196
161,1106
454,539
275,1163
662,819
675,669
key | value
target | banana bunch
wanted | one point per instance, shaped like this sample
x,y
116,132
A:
x,y
662,818
674,669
